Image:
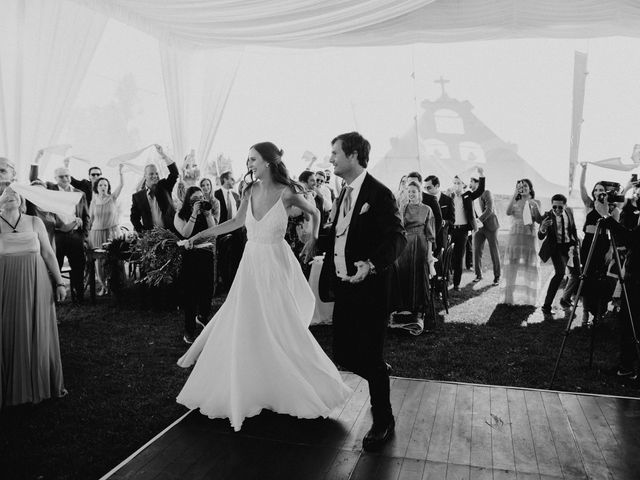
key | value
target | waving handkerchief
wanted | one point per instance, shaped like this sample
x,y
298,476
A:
x,y
526,214
126,157
54,201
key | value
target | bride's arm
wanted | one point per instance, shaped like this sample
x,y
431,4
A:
x,y
291,198
228,226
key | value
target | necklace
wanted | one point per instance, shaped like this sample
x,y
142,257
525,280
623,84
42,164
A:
x,y
12,226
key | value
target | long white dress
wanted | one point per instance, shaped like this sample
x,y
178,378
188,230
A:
x,y
257,352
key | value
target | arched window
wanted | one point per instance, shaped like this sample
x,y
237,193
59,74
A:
x,y
448,121
436,148
472,152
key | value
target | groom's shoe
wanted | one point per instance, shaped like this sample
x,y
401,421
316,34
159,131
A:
x,y
375,438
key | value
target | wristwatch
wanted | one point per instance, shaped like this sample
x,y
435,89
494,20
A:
x,y
372,267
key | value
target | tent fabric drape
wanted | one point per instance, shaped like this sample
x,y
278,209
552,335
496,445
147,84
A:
x,y
325,23
187,90
45,50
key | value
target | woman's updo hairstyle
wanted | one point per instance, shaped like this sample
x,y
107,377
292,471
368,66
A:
x,y
279,173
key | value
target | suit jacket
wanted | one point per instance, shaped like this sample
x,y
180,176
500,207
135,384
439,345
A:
x,y
82,207
550,239
467,204
488,217
376,234
85,186
224,214
141,218
447,208
432,202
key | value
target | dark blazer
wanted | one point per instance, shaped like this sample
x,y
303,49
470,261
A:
x,y
85,186
82,207
376,235
224,214
488,217
549,237
432,202
447,208
467,203
141,218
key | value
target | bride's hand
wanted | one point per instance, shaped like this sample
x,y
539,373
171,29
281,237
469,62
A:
x,y
309,250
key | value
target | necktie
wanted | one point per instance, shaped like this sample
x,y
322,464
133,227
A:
x,y
229,207
347,201
151,192
562,228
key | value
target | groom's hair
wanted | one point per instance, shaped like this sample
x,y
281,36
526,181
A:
x,y
354,142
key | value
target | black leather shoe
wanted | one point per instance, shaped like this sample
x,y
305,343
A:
x,y
377,436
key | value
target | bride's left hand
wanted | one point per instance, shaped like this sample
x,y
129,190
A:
x,y
309,250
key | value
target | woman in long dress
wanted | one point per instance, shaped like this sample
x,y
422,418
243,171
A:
x,y
412,267
103,213
30,365
521,255
257,352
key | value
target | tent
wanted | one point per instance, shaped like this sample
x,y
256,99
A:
x,y
46,47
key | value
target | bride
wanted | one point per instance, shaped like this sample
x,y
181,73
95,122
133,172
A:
x,y
257,351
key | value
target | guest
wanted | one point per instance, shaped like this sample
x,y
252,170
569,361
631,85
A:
x,y
411,270
206,185
330,184
231,245
558,234
71,233
308,181
30,365
464,222
402,197
488,226
631,209
197,275
7,171
153,206
86,186
432,186
325,191
432,202
521,258
103,212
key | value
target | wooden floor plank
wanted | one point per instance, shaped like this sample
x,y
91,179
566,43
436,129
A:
x,y
480,473
405,420
501,442
425,418
377,467
592,459
481,454
521,434
411,469
457,472
434,470
545,448
460,449
441,435
618,458
568,453
622,414
343,465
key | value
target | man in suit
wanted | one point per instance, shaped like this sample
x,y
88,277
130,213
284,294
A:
x,y
231,245
431,202
70,233
432,186
558,233
366,237
464,221
488,226
153,206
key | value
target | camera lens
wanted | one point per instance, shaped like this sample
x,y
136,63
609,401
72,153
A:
x,y
204,205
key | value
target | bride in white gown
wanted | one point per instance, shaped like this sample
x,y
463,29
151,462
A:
x,y
257,352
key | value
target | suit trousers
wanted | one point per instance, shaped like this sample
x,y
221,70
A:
x,y
360,317
559,258
459,238
71,245
197,282
491,236
628,354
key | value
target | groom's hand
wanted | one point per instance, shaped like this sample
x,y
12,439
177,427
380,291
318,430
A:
x,y
364,269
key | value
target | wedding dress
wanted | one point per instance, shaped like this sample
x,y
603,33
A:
x,y
257,352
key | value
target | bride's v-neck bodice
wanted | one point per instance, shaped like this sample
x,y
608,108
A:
x,y
271,228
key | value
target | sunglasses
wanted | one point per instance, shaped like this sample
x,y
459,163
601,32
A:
x,y
558,207
95,174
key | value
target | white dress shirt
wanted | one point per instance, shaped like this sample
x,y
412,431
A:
x,y
341,234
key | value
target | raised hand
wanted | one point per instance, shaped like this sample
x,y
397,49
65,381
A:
x,y
309,250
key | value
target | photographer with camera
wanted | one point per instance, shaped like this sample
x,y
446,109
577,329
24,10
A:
x,y
630,306
197,274
631,208
598,287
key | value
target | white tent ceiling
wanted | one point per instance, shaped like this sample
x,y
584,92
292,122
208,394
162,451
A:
x,y
326,23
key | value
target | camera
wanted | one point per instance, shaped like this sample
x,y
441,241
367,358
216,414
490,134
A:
x,y
612,194
205,205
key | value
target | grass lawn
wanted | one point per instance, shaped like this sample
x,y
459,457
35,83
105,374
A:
x,y
120,369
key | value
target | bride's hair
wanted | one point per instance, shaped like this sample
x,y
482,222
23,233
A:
x,y
279,173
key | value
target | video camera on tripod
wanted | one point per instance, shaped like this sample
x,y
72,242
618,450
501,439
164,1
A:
x,y
612,192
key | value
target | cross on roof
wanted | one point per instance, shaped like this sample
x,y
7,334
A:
x,y
442,81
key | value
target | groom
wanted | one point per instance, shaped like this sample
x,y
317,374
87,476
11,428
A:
x,y
365,238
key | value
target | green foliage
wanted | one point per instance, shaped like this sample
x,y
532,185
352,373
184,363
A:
x,y
159,257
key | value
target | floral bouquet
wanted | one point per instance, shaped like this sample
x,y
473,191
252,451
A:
x,y
159,255
118,250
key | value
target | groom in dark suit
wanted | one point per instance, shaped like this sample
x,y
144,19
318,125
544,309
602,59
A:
x,y
365,239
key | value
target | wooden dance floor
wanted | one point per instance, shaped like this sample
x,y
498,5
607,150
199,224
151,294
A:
x,y
443,431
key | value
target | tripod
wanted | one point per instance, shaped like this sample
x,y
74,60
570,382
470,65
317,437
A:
x,y
583,275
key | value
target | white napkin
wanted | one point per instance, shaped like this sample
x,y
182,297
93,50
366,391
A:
x,y
54,201
126,157
526,213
